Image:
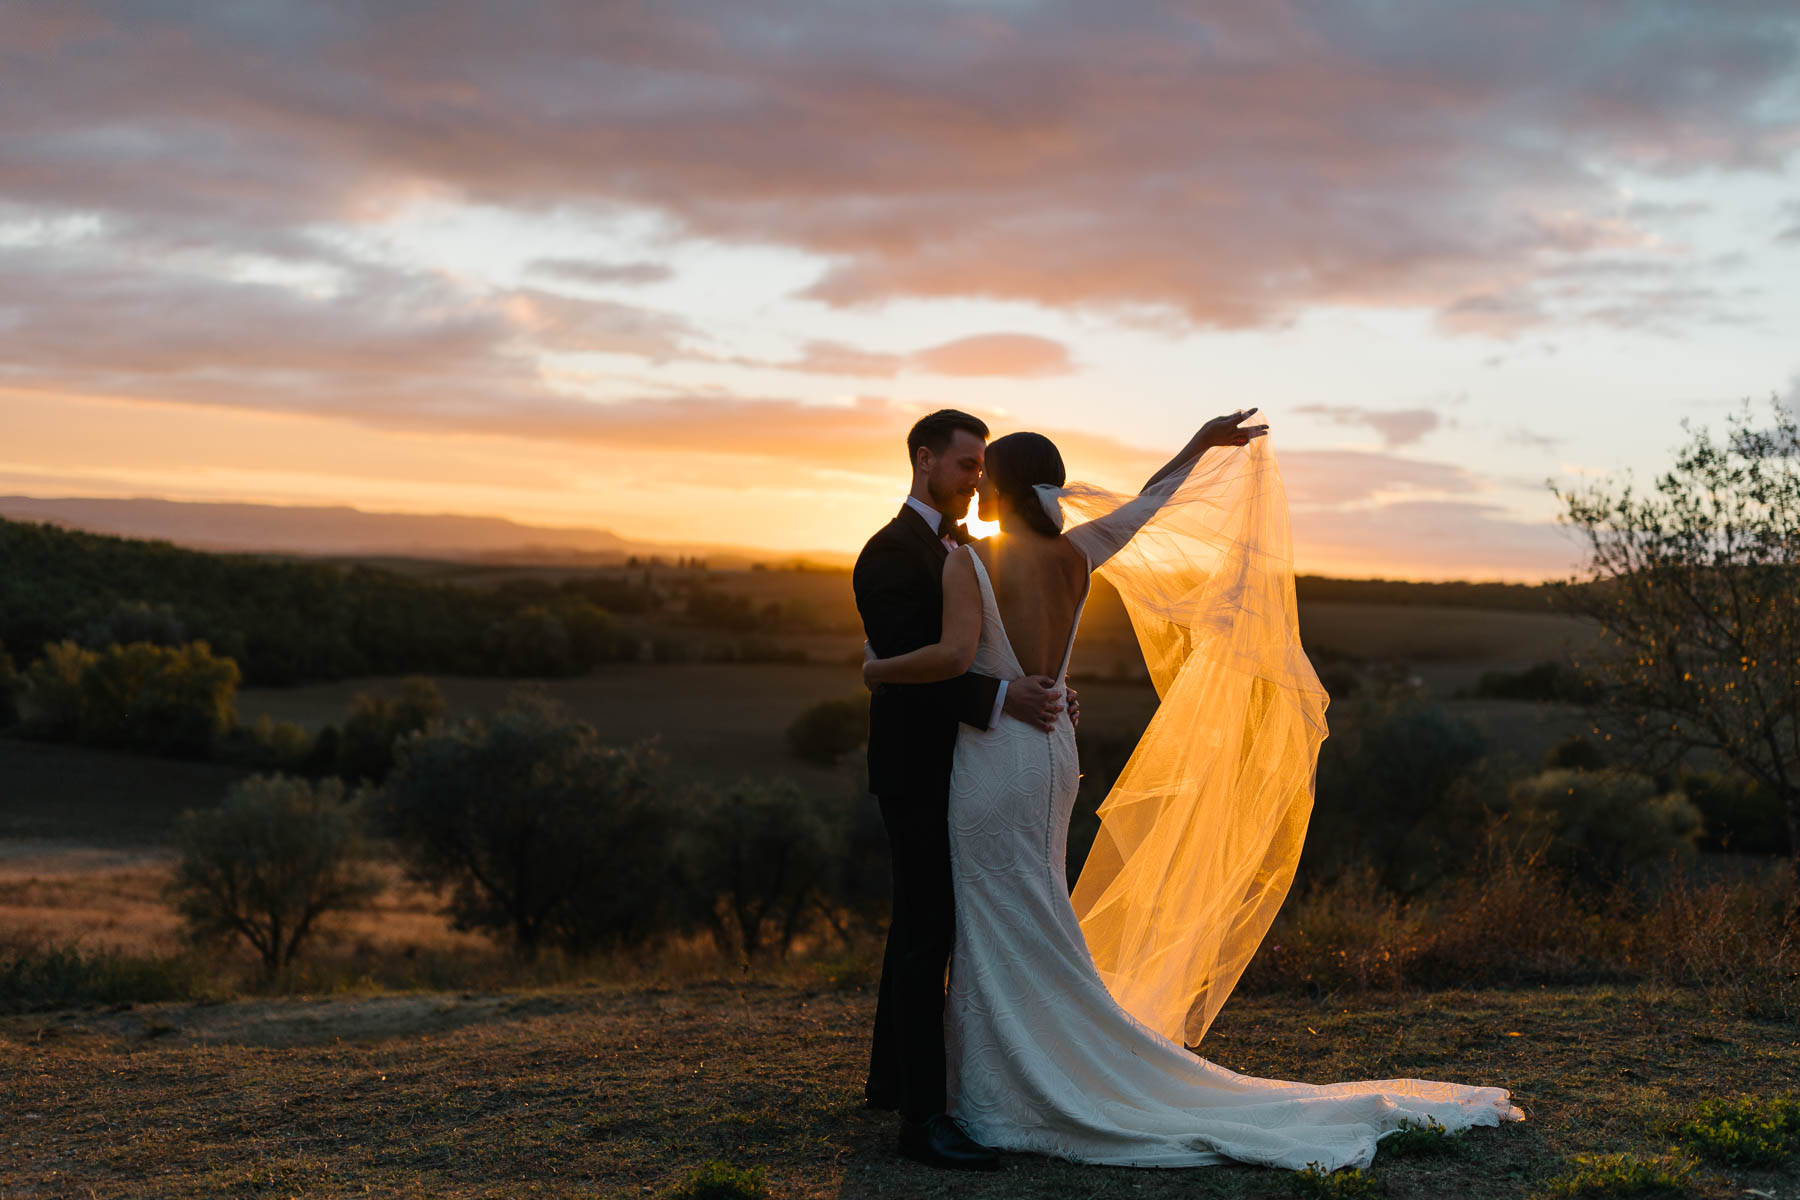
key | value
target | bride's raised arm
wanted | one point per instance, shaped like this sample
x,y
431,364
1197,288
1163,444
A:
x,y
1228,430
1102,537
954,650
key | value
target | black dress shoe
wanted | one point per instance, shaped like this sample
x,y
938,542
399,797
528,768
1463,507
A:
x,y
938,1141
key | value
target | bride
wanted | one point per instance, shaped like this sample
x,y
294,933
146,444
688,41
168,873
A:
x,y
1068,1015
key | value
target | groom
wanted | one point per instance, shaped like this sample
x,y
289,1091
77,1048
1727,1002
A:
x,y
912,739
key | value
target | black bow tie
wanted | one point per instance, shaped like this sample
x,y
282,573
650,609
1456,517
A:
x,y
950,529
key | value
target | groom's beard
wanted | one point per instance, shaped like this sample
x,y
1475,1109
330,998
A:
x,y
954,505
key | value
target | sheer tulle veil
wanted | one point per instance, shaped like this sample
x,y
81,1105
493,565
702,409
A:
x,y
1200,835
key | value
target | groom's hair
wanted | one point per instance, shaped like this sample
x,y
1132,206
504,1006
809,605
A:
x,y
935,430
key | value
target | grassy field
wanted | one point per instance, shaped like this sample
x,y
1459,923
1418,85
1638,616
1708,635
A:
x,y
715,721
609,1091
371,1074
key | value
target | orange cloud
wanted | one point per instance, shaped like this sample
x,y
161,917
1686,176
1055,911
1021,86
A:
x,y
1019,355
765,473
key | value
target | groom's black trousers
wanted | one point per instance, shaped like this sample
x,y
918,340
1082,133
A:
x,y
907,1062
912,742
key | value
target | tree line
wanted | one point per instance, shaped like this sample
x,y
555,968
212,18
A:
x,y
536,833
283,621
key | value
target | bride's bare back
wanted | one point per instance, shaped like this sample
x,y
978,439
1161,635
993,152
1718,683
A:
x,y
1039,582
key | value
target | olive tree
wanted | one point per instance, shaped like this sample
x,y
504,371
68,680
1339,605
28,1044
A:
x,y
754,859
1696,585
543,835
266,865
365,747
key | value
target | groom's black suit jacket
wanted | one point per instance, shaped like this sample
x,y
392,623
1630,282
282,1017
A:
x,y
912,727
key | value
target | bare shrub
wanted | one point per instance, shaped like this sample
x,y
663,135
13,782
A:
x,y
1350,934
1735,940
1693,583
1514,919
1517,919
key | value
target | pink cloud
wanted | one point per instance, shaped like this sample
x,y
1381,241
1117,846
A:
x,y
1234,164
1019,355
1014,355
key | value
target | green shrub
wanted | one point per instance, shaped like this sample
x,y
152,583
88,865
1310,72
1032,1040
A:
x,y
1574,753
1385,781
828,730
33,979
50,704
277,856
12,685
1602,825
1430,1140
365,744
1540,681
1316,1183
594,637
1739,813
166,700
722,1181
543,835
752,858
857,886
266,744
176,701
1745,1132
530,642
134,621
1621,1177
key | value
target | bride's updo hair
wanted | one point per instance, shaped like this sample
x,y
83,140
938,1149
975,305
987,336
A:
x,y
1019,462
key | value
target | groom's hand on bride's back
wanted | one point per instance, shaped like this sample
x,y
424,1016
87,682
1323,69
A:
x,y
1034,699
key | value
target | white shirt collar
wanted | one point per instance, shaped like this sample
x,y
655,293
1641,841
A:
x,y
932,516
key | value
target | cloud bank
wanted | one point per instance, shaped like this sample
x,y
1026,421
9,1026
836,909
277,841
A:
x,y
191,191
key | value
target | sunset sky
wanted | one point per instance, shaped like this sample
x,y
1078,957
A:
x,y
689,270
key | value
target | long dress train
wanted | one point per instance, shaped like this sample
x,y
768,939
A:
x,y
1042,1055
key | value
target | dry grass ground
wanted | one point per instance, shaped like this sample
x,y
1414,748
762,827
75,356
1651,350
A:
x,y
111,900
611,1091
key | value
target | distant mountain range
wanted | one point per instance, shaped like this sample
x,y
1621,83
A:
x,y
351,532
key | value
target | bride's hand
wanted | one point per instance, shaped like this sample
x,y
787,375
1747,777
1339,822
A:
x,y
1230,430
868,660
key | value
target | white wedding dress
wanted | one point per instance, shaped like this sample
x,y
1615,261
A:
x,y
1042,1058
